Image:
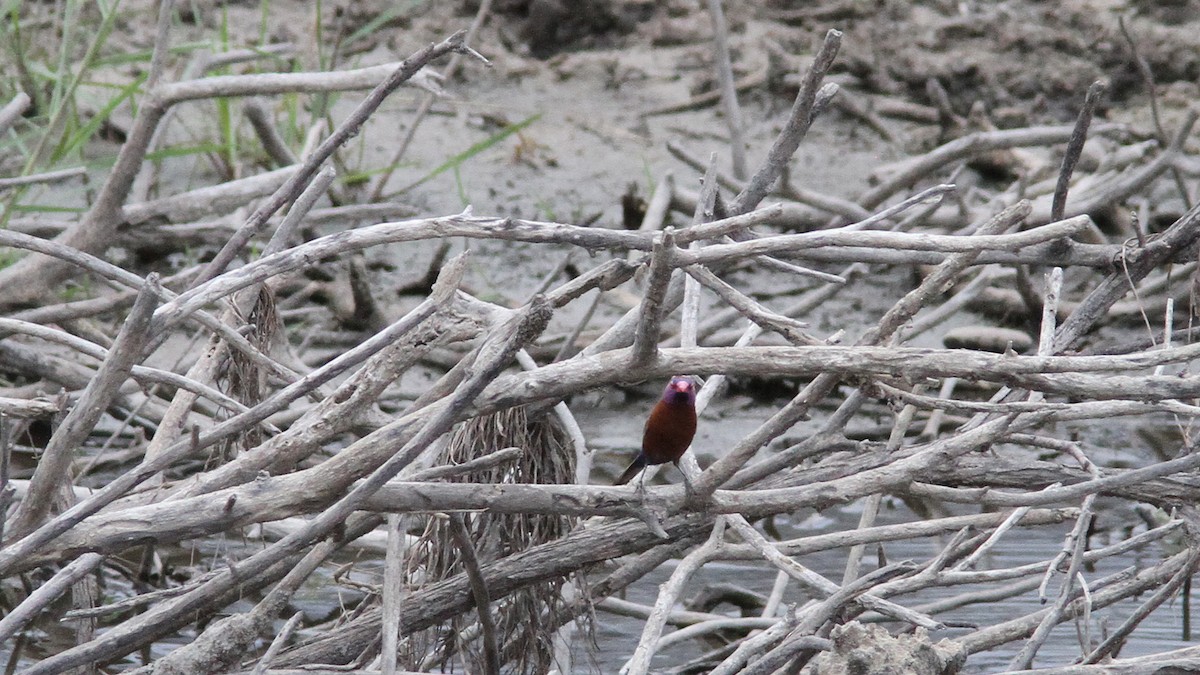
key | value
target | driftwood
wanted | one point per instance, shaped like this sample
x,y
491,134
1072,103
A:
x,y
222,458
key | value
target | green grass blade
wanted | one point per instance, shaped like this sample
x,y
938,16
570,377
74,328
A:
x,y
457,160
374,24
225,122
47,208
143,55
83,134
183,151
63,99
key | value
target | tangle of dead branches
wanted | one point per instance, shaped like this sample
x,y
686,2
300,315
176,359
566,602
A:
x,y
502,532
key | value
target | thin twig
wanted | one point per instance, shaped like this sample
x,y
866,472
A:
x,y
639,662
1075,147
1163,593
794,130
345,131
48,177
733,111
1147,75
470,563
52,471
13,110
481,14
645,344
277,644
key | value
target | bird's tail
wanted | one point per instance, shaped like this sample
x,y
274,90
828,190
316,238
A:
x,y
634,467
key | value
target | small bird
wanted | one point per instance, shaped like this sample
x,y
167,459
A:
x,y
669,429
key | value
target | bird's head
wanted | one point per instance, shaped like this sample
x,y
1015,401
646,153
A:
x,y
681,389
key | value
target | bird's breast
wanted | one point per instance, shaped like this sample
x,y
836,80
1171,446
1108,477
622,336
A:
x,y
669,431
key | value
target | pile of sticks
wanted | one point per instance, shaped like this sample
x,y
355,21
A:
x,y
172,488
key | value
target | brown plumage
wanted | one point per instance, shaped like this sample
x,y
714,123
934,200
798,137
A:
x,y
669,429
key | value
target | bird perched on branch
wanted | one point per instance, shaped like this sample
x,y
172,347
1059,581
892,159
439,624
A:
x,y
669,429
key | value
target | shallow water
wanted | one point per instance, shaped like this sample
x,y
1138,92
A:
x,y
617,636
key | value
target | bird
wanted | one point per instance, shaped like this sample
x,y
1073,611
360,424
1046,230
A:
x,y
669,429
